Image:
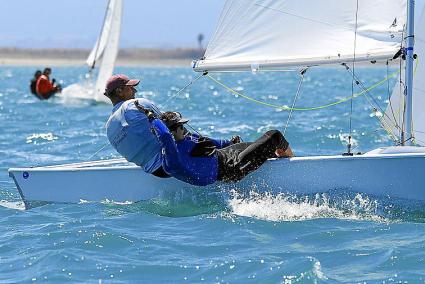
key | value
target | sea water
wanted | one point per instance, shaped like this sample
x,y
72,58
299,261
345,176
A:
x,y
205,237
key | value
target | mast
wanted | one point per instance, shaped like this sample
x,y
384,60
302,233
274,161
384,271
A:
x,y
410,40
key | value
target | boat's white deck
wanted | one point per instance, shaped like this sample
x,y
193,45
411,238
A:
x,y
92,164
386,152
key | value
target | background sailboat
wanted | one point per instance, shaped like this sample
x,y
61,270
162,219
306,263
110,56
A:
x,y
102,55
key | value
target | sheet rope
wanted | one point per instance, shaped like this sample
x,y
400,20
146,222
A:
x,y
287,108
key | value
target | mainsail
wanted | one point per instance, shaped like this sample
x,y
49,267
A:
x,y
270,34
274,34
106,47
393,119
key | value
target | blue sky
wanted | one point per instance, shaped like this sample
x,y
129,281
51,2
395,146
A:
x,y
76,23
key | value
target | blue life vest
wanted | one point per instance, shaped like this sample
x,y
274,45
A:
x,y
129,132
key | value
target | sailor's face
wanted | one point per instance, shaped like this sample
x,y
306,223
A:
x,y
178,132
128,92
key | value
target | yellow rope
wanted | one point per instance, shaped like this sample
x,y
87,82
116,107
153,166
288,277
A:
x,y
307,108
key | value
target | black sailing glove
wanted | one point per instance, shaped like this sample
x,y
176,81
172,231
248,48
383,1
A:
x,y
149,113
236,139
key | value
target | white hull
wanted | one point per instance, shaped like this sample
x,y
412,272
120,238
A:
x,y
391,172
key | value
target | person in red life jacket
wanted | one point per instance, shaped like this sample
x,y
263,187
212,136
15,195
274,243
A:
x,y
46,88
33,84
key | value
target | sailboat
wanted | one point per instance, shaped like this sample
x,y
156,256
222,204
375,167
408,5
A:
x,y
263,35
102,55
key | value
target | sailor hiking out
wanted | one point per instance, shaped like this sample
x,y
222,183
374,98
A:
x,y
128,129
202,161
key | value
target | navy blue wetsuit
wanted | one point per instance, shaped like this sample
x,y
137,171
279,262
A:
x,y
193,159
201,161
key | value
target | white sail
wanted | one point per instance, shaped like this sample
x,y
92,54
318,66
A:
x,y
271,34
110,50
99,47
103,54
393,119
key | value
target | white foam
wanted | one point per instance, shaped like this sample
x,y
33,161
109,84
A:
x,y
317,269
283,207
84,90
41,136
107,201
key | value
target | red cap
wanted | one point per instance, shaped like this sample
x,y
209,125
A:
x,y
119,81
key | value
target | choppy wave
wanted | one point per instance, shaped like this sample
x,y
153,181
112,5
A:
x,y
271,207
333,204
285,207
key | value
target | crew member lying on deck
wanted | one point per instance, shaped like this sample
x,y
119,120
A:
x,y
201,161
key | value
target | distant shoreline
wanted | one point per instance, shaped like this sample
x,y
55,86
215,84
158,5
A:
x,y
179,57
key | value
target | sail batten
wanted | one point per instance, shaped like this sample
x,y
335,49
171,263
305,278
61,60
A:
x,y
277,34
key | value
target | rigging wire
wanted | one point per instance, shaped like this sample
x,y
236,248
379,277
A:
x,y
360,83
389,98
401,83
402,87
400,129
185,87
98,151
181,90
402,96
352,80
375,105
388,124
302,72
287,108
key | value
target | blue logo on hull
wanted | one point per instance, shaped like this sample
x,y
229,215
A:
x,y
25,175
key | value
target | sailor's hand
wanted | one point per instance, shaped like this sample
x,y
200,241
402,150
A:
x,y
281,153
235,139
151,116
